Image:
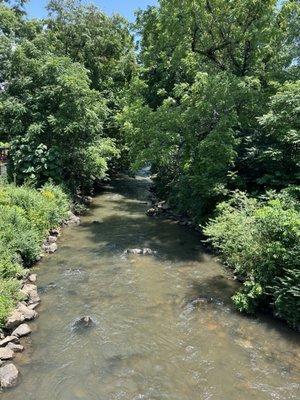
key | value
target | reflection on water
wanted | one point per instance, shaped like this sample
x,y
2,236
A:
x,y
164,325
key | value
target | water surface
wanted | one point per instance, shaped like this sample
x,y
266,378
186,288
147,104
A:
x,y
164,325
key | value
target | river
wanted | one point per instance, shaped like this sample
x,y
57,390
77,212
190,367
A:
x,y
153,339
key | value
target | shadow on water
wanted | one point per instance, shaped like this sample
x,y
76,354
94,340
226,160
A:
x,y
128,232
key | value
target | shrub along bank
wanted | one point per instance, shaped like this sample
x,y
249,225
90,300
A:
x,y
26,216
260,240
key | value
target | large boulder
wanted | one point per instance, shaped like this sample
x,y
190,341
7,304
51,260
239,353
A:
x,y
6,353
8,376
22,330
15,319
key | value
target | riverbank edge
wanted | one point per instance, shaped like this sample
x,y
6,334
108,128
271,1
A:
x,y
16,325
161,209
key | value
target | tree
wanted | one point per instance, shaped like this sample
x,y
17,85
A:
x,y
208,71
50,115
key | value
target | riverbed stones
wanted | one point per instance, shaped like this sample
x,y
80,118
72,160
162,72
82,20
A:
x,y
6,353
134,251
50,248
17,348
148,252
152,212
9,339
52,239
144,251
73,219
8,376
163,205
33,306
28,313
30,292
22,330
55,232
84,322
14,320
32,278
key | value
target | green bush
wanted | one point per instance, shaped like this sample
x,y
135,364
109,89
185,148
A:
x,y
9,296
26,215
260,240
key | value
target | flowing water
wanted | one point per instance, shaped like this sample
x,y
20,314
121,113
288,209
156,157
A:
x,y
164,325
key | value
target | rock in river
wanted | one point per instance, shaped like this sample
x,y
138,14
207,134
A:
x,y
22,330
14,320
32,278
27,312
6,353
9,339
50,248
17,348
144,251
83,323
52,239
8,376
30,291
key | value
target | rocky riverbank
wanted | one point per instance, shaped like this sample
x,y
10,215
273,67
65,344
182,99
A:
x,y
16,328
162,208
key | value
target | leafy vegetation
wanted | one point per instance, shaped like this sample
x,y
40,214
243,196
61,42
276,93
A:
x,y
260,240
215,109
64,80
26,215
211,100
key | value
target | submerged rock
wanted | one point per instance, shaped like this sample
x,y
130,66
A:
x,y
144,251
152,212
83,323
149,252
8,376
134,251
22,330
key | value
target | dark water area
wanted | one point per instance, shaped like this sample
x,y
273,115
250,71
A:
x,y
164,326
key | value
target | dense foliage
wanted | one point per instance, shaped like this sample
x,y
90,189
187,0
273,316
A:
x,y
215,108
212,104
260,239
26,215
212,94
62,81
